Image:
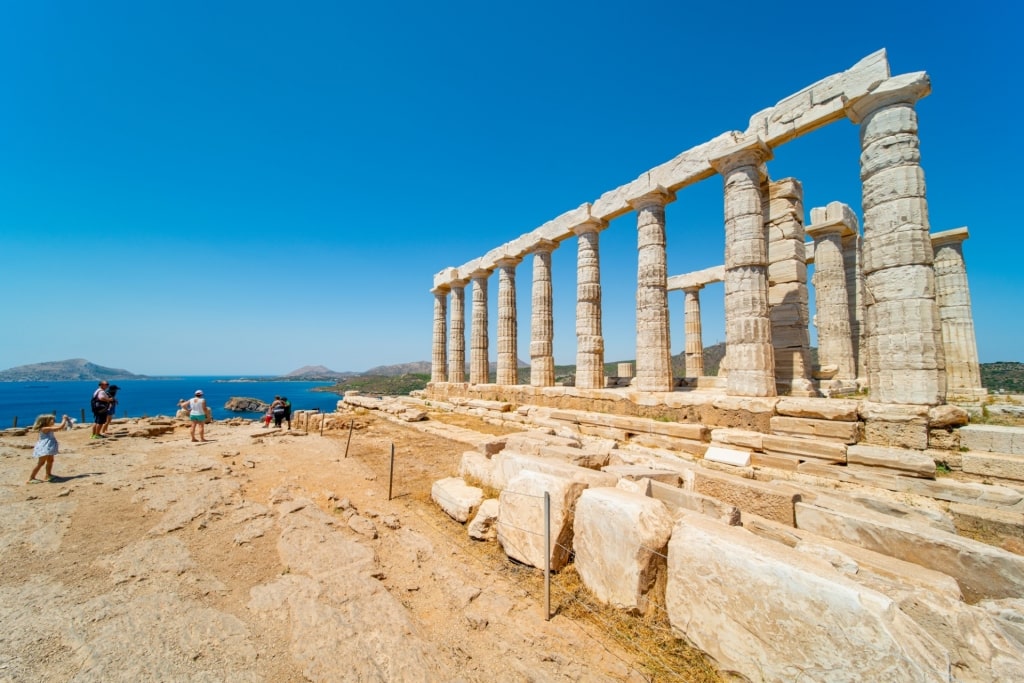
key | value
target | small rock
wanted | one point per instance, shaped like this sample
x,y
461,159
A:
x,y
391,522
363,526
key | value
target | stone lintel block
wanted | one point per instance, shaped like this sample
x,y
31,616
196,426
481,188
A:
x,y
635,472
905,88
819,231
672,443
819,408
773,502
507,465
846,432
742,438
776,461
903,460
619,539
697,502
999,465
953,236
994,438
981,570
575,456
804,447
727,456
697,279
457,499
560,228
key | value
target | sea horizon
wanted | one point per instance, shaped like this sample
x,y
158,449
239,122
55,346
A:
x,y
152,396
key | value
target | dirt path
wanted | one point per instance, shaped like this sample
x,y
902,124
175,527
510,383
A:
x,y
263,557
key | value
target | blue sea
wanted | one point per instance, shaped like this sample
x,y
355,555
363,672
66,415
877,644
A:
x,y
149,397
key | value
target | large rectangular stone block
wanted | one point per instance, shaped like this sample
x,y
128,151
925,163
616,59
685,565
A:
x,y
676,497
993,438
904,460
771,501
997,465
846,432
817,449
521,518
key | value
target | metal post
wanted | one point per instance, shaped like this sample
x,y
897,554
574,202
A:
x,y
323,419
15,425
391,474
351,424
547,556
83,415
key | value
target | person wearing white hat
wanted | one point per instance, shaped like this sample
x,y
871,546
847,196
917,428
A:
x,y
196,414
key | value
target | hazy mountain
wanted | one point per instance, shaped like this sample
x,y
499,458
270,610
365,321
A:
x,y
315,372
420,367
64,370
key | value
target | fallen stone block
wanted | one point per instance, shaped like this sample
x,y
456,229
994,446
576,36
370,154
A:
x,y
902,460
771,501
728,456
785,615
521,518
678,498
619,542
575,456
508,464
475,465
484,526
456,498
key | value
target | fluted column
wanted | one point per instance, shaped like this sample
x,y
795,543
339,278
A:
x,y
439,355
589,337
747,325
904,337
479,360
457,338
508,326
835,342
963,374
653,347
542,324
694,340
855,294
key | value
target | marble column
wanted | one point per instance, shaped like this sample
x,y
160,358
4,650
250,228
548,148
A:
x,y
855,295
653,347
751,362
508,327
589,337
904,336
788,306
963,374
457,338
835,341
479,360
542,324
439,355
694,340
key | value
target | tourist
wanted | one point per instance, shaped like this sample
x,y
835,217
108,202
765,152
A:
x,y
111,407
197,414
100,404
277,409
46,447
287,411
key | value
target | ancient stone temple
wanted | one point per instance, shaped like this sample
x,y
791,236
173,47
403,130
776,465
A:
x,y
893,313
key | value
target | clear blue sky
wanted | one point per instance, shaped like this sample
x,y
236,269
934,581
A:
x,y
249,187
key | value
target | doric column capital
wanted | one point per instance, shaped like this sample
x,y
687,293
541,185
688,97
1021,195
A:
x,y
508,262
693,289
905,89
749,150
481,274
589,226
954,236
441,290
544,246
657,196
820,231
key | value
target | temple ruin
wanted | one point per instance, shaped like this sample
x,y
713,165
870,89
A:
x,y
710,479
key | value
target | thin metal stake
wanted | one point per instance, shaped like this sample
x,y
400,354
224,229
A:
x,y
351,424
391,474
547,556
15,425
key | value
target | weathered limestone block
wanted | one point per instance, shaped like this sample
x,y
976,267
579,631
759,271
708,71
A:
x,y
988,525
521,518
531,442
901,426
854,502
846,432
671,443
820,409
741,438
911,462
477,466
993,438
484,526
947,415
497,406
945,440
679,498
778,461
728,456
636,472
981,570
508,464
620,540
456,498
829,451
575,456
773,502
489,445
994,465
785,615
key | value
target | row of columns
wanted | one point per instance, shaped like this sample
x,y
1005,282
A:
x,y
897,342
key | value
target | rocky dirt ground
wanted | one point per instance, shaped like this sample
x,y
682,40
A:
x,y
266,556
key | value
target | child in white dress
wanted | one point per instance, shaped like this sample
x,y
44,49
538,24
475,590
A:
x,y
46,447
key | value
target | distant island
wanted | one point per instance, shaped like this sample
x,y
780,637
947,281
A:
x,y
65,371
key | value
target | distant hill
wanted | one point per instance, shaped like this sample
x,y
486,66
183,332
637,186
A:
x,y
64,371
1004,376
419,367
315,372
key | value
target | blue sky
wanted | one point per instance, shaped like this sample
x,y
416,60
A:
x,y
249,187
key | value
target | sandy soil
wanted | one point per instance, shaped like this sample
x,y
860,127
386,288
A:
x,y
265,556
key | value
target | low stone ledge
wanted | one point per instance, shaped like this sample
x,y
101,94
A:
x,y
998,465
993,438
804,448
819,408
903,460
